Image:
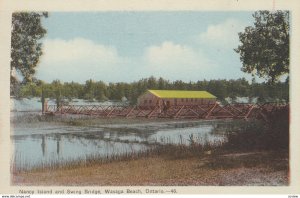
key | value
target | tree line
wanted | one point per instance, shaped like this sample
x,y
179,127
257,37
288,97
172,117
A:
x,y
101,91
263,50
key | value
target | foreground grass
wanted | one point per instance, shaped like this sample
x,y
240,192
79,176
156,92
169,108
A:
x,y
255,154
254,168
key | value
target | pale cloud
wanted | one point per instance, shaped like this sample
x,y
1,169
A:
x,y
175,61
77,49
170,54
224,34
81,59
78,59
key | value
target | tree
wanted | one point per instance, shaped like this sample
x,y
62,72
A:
x,y
90,89
264,49
26,47
57,91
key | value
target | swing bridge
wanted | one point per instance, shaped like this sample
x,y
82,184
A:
x,y
207,111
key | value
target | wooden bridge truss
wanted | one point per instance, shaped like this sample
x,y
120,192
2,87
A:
x,y
209,111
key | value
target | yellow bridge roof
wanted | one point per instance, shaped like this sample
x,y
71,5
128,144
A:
x,y
182,94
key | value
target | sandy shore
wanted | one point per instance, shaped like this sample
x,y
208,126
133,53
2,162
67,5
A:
x,y
243,169
213,169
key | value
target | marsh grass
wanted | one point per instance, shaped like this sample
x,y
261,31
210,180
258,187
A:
x,y
166,150
86,161
273,160
252,140
222,154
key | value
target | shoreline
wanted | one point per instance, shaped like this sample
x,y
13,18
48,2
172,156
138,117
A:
x,y
267,168
114,123
253,155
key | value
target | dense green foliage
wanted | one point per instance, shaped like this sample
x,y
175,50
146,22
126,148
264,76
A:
x,y
264,49
270,135
101,91
26,45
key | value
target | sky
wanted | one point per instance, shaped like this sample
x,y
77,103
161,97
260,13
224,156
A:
x,y
126,46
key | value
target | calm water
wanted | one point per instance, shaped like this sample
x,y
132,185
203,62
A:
x,y
36,146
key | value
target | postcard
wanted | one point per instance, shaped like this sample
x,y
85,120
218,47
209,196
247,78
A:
x,y
149,97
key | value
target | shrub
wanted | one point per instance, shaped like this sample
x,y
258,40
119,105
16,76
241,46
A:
x,y
270,135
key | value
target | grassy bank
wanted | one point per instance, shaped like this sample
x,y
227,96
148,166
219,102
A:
x,y
193,164
254,168
254,154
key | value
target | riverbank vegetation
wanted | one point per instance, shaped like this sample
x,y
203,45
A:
x,y
239,169
101,91
255,153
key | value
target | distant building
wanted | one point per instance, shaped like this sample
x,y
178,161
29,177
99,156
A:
x,y
167,98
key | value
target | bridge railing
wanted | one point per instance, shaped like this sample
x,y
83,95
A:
x,y
207,111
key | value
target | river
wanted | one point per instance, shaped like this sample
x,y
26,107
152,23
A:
x,y
43,143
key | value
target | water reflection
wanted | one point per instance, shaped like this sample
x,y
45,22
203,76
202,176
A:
x,y
58,145
44,147
59,149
